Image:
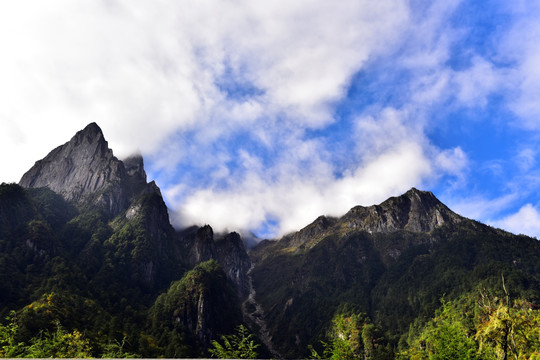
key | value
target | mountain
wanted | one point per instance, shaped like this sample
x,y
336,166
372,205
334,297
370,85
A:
x,y
392,262
414,211
86,231
85,171
87,248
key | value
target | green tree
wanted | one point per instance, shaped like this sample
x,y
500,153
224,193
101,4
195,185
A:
x,y
115,350
479,328
9,346
510,331
237,346
59,344
353,337
446,337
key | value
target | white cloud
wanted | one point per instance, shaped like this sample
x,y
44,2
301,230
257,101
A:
x,y
376,133
526,221
178,80
145,70
452,161
478,81
297,199
526,159
480,207
519,47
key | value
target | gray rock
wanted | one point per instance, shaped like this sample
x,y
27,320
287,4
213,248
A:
x,y
416,211
85,170
228,250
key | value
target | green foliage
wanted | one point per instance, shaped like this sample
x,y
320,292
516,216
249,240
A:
x,y
57,343
52,207
479,328
9,346
446,337
116,350
236,346
202,293
354,337
509,331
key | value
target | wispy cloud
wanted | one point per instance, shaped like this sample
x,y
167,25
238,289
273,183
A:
x,y
526,221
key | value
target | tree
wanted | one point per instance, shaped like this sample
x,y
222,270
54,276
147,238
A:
x,y
479,328
9,346
59,344
237,346
511,331
445,337
353,337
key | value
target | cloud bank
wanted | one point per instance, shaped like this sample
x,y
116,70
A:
x,y
263,115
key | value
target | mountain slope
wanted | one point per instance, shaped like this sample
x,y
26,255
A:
x,y
393,261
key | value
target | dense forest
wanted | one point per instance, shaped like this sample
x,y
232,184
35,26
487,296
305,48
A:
x,y
68,274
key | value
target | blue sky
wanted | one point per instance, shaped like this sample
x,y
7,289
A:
x,y
261,116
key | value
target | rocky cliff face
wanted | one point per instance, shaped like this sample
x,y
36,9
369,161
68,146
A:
x,y
228,250
203,302
415,211
85,170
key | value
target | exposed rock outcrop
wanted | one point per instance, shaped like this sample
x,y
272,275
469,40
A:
x,y
231,254
416,211
203,302
84,170
228,250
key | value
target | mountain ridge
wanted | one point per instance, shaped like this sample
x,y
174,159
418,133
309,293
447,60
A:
x,y
414,211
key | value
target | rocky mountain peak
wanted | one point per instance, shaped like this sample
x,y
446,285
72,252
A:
x,y
85,169
417,211
134,165
91,133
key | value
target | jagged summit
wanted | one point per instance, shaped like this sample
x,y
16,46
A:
x,y
415,211
85,167
92,132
